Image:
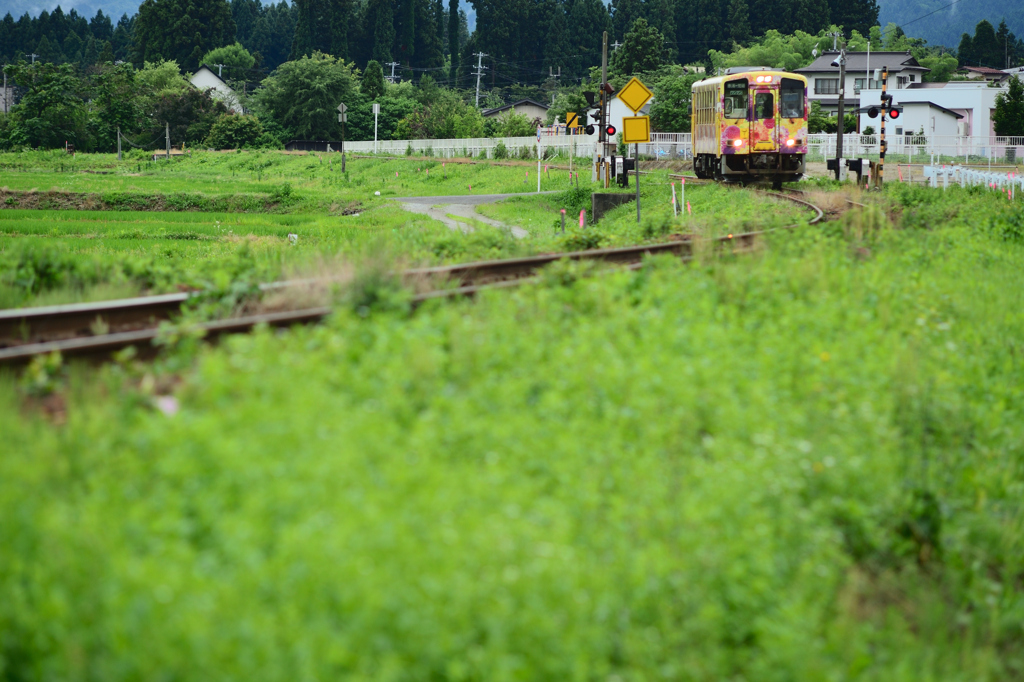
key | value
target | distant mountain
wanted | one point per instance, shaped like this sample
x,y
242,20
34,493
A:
x,y
115,8
947,24
86,8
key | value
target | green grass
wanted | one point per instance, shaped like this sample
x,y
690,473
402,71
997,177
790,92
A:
x,y
799,465
54,255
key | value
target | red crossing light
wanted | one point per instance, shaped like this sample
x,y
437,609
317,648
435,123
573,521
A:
x,y
610,131
894,114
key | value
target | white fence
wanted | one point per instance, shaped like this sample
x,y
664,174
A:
x,y
925,148
911,148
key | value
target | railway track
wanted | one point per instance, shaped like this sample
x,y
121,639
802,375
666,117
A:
x,y
99,329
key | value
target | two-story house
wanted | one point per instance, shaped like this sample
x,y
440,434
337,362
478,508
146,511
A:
x,y
823,78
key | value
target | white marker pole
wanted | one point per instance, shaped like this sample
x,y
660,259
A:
x,y
538,162
674,211
682,191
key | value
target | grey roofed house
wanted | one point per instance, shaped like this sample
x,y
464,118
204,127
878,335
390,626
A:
x,y
530,108
823,78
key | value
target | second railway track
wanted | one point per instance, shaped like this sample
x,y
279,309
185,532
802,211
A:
x,y
98,329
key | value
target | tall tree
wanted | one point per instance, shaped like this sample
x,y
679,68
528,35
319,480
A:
x,y
1008,117
101,26
854,15
453,39
589,19
739,21
198,27
405,31
624,13
428,49
642,50
380,24
373,80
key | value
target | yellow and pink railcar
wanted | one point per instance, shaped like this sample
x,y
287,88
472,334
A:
x,y
750,124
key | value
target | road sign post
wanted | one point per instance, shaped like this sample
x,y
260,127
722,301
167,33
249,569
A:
x,y
376,111
342,118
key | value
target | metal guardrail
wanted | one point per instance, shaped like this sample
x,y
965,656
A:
x,y
1011,183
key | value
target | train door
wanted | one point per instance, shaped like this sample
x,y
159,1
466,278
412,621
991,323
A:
x,y
764,129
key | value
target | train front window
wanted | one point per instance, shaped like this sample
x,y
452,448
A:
x,y
792,98
735,99
764,106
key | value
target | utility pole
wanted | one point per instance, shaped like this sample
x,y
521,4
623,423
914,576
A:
x,y
392,65
842,121
881,138
118,143
33,55
5,88
220,67
616,45
479,72
602,135
167,132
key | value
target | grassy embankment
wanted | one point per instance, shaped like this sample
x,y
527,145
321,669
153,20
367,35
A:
x,y
798,465
234,213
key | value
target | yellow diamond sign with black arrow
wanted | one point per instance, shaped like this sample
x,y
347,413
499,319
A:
x,y
635,95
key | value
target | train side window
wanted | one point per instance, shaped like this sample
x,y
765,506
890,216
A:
x,y
764,105
792,98
736,99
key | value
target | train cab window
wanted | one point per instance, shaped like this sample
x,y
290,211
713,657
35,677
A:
x,y
764,105
736,99
792,98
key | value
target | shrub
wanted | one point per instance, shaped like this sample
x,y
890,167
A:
x,y
500,150
235,132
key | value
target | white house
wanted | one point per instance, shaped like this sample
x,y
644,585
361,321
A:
x,y
917,116
207,79
974,100
823,78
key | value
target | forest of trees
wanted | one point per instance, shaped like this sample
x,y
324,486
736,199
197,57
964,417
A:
x,y
91,76
525,40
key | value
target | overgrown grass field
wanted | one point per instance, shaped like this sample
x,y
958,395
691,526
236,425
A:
x,y
232,214
803,463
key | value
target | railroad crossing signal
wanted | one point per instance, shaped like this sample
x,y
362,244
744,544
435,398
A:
x,y
635,94
636,129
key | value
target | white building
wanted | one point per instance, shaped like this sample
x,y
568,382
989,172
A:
x,y
823,79
974,101
917,116
207,79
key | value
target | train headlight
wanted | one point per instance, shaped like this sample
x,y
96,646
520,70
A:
x,y
790,142
737,143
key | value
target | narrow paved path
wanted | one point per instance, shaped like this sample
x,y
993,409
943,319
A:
x,y
463,205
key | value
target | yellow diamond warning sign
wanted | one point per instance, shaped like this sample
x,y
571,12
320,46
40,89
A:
x,y
635,94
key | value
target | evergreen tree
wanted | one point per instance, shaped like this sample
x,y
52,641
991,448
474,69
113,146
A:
x,y
197,28
342,15
72,48
405,31
1005,40
428,49
624,13
987,50
854,15
559,46
91,54
642,50
441,25
383,29
106,54
453,38
661,15
124,34
245,13
101,26
739,21
1008,117
47,52
589,19
965,52
373,80
273,34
